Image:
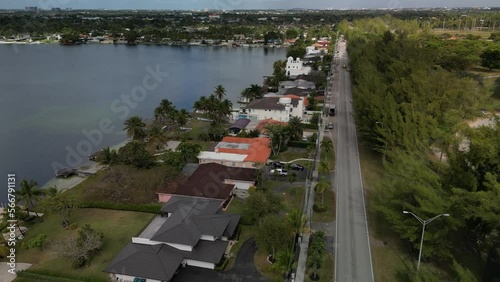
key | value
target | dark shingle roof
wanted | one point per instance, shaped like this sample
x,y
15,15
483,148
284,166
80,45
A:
x,y
147,261
208,181
208,251
193,218
269,103
240,124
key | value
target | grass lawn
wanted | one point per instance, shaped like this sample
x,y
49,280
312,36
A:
x,y
264,267
120,183
329,214
291,154
118,228
329,157
325,272
237,206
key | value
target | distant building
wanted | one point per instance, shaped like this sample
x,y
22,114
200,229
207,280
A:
x,y
296,67
214,16
31,8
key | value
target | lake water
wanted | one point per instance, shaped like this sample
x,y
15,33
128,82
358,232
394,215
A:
x,y
60,102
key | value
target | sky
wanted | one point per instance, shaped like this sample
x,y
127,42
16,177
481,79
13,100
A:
x,y
242,4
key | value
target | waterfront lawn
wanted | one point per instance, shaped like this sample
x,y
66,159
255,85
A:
x,y
125,184
118,228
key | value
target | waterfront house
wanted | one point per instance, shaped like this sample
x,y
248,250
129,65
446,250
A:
x,y
190,231
296,67
276,107
238,152
212,181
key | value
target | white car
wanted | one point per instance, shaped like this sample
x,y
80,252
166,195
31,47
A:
x,y
279,171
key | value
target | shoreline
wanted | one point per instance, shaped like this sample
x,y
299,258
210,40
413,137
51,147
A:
x,y
90,167
147,44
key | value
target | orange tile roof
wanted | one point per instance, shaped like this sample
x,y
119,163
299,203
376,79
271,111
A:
x,y
261,126
259,151
306,102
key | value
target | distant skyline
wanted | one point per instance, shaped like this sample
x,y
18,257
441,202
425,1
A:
x,y
241,4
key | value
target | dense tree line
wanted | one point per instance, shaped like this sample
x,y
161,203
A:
x,y
409,99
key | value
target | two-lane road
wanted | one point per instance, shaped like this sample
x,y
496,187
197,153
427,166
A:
x,y
352,254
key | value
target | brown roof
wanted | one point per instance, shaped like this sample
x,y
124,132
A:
x,y
208,181
269,103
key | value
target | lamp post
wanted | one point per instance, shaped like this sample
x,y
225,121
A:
x,y
424,223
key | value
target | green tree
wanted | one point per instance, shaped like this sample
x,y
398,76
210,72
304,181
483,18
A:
x,y
284,261
321,187
189,151
279,135
61,204
490,59
291,33
261,203
323,167
135,153
219,92
135,128
131,36
255,91
109,156
292,177
295,128
37,242
273,234
314,119
156,136
29,193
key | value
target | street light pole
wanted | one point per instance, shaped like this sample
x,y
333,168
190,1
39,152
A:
x,y
424,223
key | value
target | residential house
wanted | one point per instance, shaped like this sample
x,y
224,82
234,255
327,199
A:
x,y
298,83
276,107
296,67
210,180
238,152
189,232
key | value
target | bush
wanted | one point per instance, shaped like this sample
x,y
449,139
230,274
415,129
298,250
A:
x,y
299,144
311,126
149,208
222,265
318,208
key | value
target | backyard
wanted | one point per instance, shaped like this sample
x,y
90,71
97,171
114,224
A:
x,y
118,228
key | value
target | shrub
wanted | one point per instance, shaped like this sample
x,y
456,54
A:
x,y
319,208
299,144
149,208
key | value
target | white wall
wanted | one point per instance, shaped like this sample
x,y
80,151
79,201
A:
x,y
199,263
207,238
272,114
181,247
145,241
243,185
296,67
126,278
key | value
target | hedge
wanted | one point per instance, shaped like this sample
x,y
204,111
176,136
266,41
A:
x,y
47,275
300,144
310,126
150,208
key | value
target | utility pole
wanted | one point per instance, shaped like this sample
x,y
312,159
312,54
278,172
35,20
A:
x,y
444,21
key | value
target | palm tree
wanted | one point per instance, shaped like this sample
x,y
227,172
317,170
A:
x,y
253,92
182,117
321,188
108,156
296,220
219,92
52,191
323,167
29,193
135,128
326,144
296,128
156,136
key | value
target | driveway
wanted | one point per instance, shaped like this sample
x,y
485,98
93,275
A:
x,y
243,270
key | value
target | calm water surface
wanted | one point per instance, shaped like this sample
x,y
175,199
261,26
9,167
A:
x,y
51,94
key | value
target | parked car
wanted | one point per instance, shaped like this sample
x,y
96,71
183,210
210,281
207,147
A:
x,y
296,167
279,171
330,125
277,164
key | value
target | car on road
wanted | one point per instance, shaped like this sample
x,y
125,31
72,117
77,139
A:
x,y
279,171
295,166
330,125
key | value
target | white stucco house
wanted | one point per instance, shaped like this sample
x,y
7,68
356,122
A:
x,y
278,107
296,67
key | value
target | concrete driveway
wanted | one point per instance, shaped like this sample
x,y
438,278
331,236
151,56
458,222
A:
x,y
5,276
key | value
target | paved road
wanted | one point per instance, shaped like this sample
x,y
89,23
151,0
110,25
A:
x,y
352,257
